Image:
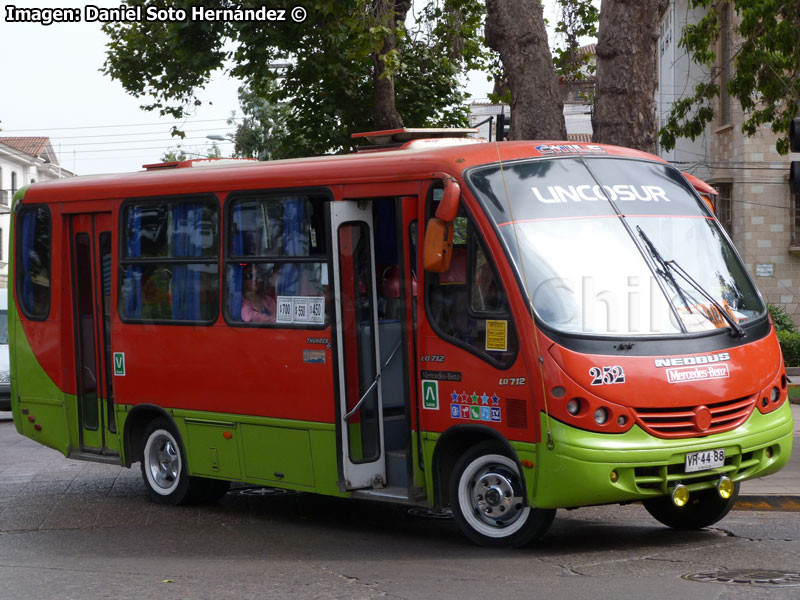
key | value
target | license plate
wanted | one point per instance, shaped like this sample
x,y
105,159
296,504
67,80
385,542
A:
x,y
707,459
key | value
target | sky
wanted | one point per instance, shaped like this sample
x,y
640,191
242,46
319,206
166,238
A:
x,y
53,87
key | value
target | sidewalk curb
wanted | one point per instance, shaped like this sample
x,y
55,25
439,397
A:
x,y
775,502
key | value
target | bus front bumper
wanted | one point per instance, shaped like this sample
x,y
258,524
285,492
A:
x,y
586,468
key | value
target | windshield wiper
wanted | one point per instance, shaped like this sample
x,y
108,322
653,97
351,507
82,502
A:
x,y
666,268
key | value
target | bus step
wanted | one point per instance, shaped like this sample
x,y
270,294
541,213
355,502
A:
x,y
108,459
392,493
396,468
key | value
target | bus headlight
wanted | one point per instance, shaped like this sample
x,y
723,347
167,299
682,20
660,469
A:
x,y
574,406
600,416
775,394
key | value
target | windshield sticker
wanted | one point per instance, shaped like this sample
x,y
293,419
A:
x,y
497,335
301,309
686,374
592,193
569,149
607,375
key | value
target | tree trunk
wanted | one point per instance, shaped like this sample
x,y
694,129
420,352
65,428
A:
x,y
515,29
625,106
384,112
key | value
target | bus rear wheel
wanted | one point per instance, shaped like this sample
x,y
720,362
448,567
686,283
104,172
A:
x,y
164,465
703,509
487,500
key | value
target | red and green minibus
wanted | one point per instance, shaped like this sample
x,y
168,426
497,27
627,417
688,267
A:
x,y
504,329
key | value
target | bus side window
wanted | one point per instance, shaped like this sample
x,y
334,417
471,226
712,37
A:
x,y
466,304
33,261
276,269
169,265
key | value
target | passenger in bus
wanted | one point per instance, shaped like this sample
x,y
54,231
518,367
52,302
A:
x,y
258,300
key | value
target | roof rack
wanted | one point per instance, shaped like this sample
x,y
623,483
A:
x,y
405,134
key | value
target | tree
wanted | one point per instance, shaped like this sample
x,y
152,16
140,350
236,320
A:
x,y
350,66
763,73
515,30
624,108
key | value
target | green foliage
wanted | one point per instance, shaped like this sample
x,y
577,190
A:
x,y
790,346
780,318
764,75
578,18
326,91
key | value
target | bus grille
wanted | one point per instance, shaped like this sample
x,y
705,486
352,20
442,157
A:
x,y
693,421
664,477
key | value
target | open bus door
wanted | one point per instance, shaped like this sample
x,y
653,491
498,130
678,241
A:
x,y
360,408
90,243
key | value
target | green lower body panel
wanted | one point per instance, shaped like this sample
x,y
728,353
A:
x,y
586,468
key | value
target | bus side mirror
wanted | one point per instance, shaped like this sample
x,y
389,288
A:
x,y
438,250
448,205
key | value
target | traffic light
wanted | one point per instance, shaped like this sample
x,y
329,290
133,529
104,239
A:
x,y
503,127
794,145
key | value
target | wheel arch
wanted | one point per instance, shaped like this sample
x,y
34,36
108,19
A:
x,y
452,444
135,424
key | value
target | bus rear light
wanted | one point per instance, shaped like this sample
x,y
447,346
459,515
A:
x,y
601,416
37,427
227,435
574,406
31,419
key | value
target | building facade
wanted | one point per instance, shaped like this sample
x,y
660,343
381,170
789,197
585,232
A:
x,y
755,206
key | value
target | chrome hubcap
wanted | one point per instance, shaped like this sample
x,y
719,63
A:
x,y
494,498
164,462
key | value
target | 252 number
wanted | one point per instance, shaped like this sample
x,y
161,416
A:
x,y
607,375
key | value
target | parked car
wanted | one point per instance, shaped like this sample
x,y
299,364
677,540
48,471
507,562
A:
x,y
5,379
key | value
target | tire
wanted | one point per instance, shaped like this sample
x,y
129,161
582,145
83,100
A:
x,y
488,503
703,509
164,465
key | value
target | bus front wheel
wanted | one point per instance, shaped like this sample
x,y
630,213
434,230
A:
x,y
486,495
703,509
164,465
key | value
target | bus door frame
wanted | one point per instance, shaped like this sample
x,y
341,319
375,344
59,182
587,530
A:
x,y
88,231
358,365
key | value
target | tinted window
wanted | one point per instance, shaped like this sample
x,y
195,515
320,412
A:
x,y
33,278
277,271
169,270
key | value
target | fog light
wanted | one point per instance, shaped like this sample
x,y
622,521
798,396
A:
x,y
680,495
725,488
776,394
574,406
614,476
600,416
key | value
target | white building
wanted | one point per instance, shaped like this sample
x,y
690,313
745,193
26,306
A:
x,y
23,160
755,204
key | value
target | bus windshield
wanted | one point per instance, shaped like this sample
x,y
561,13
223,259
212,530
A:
x,y
576,230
